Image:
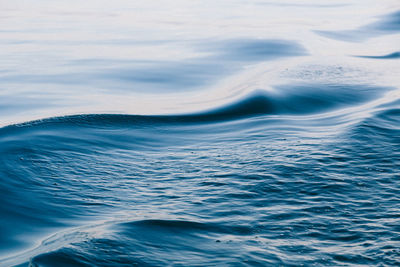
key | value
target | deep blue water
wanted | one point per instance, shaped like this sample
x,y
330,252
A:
x,y
205,134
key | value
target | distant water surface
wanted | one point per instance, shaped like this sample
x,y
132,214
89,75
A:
x,y
199,133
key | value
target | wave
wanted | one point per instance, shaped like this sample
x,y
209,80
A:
x,y
201,192
140,239
223,57
267,145
393,55
387,24
294,100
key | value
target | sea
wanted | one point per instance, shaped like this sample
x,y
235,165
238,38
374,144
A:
x,y
199,133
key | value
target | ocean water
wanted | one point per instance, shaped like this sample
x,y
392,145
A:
x,y
200,133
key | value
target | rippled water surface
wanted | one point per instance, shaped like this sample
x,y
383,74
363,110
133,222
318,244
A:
x,y
199,133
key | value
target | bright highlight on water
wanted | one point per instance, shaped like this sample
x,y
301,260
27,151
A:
x,y
199,133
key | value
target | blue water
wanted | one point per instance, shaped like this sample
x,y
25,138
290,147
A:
x,y
228,133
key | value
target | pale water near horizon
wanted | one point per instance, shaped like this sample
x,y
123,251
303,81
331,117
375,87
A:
x,y
199,133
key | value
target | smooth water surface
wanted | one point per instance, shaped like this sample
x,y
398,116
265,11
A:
x,y
199,133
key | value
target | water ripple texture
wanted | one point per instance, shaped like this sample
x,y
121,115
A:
x,y
199,133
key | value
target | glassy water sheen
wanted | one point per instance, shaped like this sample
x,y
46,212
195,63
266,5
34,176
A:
x,y
199,133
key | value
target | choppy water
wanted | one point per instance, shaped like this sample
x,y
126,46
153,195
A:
x,y
199,133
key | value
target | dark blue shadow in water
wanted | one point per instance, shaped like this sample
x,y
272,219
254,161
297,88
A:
x,y
223,58
166,76
388,24
179,239
296,100
253,50
394,55
291,99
